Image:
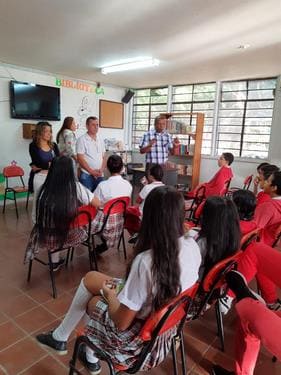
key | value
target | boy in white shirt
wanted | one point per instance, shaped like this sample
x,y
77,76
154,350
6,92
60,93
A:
x,y
114,187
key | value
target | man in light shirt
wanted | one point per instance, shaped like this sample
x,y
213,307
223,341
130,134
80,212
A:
x,y
91,155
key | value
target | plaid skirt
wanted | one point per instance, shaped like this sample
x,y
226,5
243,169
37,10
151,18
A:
x,y
124,347
74,238
112,230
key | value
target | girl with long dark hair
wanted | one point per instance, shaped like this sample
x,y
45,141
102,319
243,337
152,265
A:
x,y
165,263
57,206
42,151
219,236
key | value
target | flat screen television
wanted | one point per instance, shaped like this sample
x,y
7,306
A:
x,y
30,101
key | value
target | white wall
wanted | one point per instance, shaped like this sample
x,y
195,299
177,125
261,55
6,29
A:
x,y
12,144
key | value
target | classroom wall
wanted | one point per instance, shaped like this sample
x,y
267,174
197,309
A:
x,y
77,103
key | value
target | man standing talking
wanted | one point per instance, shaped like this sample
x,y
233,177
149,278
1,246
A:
x,y
157,143
91,155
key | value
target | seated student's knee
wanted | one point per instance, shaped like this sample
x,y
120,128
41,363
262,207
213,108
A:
x,y
93,280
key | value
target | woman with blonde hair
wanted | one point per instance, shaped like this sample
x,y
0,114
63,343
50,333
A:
x,y
42,151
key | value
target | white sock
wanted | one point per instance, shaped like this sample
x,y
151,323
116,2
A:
x,y
74,314
90,355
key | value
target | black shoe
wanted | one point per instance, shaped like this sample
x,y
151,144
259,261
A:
x,y
46,339
57,265
218,370
134,238
238,284
101,248
93,368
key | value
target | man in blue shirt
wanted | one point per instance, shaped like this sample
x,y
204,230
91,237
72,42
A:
x,y
157,143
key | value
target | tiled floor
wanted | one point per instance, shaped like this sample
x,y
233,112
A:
x,y
26,309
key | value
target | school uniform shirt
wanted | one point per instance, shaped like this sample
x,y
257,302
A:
x,y
84,195
262,197
268,217
247,226
113,187
138,291
217,184
93,150
146,190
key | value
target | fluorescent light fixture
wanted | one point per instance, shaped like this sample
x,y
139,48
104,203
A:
x,y
136,64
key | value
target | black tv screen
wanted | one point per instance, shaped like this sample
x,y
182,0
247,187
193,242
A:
x,y
30,101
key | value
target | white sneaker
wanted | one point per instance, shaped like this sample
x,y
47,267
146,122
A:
x,y
225,304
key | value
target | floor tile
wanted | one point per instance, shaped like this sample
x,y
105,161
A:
x,y
21,355
18,305
59,306
35,319
10,333
47,366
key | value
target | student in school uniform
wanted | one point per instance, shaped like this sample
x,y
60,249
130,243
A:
x,y
268,214
115,317
245,202
134,213
217,184
265,172
114,187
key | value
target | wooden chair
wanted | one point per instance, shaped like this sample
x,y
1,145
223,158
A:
x,y
172,315
210,290
14,171
83,219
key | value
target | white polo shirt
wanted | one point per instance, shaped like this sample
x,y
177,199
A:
x,y
93,150
146,190
113,187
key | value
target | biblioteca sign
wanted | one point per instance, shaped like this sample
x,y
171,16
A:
x,y
70,84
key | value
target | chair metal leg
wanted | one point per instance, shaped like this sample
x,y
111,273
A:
x,y
27,200
174,354
220,325
71,254
54,289
124,245
15,199
183,359
119,243
29,270
4,205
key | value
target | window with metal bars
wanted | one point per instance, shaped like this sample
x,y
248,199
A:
x,y
148,103
245,117
197,98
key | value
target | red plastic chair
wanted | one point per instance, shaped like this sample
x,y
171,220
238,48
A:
x,y
112,207
199,197
246,185
83,218
210,290
171,315
254,235
14,171
225,189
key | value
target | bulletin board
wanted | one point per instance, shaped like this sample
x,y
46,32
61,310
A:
x,y
111,114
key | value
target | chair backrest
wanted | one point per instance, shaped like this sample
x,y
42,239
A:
x,y
247,182
84,216
169,316
249,237
225,189
116,205
13,171
215,277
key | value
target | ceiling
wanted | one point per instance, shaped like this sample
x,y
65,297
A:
x,y
195,40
